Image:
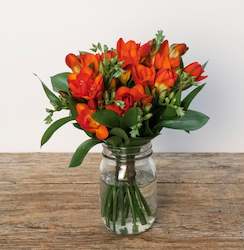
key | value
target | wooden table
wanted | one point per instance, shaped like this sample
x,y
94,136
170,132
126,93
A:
x,y
44,205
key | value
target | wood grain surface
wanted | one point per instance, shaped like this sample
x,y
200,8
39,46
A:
x,y
45,205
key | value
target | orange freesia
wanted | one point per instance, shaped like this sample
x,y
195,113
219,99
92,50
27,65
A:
x,y
162,57
73,62
145,53
128,52
90,60
143,75
108,55
114,108
86,122
195,69
85,84
175,52
165,79
129,96
169,57
125,76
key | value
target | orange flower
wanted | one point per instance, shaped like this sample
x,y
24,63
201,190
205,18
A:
x,y
145,53
129,96
128,52
168,58
108,55
86,122
73,62
143,75
114,108
162,57
85,84
195,69
165,79
90,60
176,51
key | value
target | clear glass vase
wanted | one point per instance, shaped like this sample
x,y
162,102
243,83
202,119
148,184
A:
x,y
128,189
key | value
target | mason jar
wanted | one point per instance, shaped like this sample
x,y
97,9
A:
x,y
128,191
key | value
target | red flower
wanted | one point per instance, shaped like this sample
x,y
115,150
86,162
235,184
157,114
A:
x,y
168,58
145,53
175,53
90,60
195,69
73,62
114,108
165,79
129,96
86,122
143,75
162,57
128,52
85,84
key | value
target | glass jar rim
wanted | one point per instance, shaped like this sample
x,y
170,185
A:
x,y
130,152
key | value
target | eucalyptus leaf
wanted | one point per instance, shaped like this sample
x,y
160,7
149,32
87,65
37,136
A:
x,y
54,100
188,99
81,152
120,133
130,118
53,127
115,141
59,82
107,117
191,120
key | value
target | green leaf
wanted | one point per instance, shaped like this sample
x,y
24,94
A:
x,y
81,152
115,141
54,100
59,82
191,120
168,113
130,118
120,133
188,99
53,127
72,104
107,117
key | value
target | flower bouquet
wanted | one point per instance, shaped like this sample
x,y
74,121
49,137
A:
x,y
123,97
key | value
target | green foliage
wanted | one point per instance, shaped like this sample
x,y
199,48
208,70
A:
x,y
107,117
130,118
159,37
115,141
120,133
188,99
54,100
81,152
191,120
53,127
59,82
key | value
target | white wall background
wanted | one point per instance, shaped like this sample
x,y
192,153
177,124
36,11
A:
x,y
35,36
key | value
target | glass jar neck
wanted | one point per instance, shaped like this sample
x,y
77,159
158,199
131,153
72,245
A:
x,y
127,153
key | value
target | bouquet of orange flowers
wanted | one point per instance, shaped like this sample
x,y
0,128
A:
x,y
125,96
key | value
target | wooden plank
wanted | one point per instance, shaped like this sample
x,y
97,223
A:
x,y
171,167
44,205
